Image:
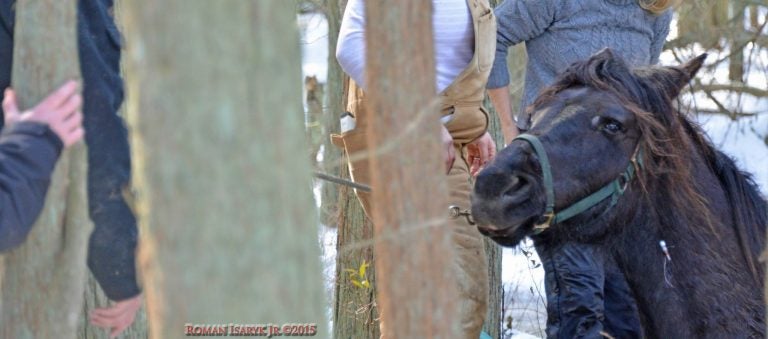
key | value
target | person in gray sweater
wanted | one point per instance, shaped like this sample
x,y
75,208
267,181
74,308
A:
x,y
587,296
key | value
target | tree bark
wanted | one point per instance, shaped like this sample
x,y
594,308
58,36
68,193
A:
x,y
516,61
330,118
44,278
413,253
355,312
229,231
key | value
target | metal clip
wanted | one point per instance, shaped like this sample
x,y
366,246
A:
x,y
455,212
665,249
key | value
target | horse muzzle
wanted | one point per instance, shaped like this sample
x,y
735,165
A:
x,y
506,199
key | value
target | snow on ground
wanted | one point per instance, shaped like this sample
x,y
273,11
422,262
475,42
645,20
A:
x,y
746,140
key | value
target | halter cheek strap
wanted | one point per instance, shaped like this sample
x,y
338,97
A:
x,y
613,189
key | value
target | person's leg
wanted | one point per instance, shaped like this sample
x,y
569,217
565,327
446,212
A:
x,y
551,288
574,284
470,265
622,319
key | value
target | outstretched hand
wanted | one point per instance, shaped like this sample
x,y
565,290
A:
x,y
480,152
118,317
60,111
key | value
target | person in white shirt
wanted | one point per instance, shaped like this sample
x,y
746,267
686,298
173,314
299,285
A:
x,y
464,35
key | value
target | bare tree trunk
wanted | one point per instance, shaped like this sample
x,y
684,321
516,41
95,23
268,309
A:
x,y
229,231
44,279
494,314
516,61
413,254
333,109
738,41
356,314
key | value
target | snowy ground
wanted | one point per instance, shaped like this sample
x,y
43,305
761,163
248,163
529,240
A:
x,y
745,140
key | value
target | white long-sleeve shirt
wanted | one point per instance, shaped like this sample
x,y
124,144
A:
x,y
453,40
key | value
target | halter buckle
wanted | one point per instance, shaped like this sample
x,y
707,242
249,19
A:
x,y
541,227
623,182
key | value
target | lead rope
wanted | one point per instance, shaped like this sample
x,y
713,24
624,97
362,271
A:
x,y
343,182
454,212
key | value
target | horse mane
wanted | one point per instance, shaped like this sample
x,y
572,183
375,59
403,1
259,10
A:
x,y
669,140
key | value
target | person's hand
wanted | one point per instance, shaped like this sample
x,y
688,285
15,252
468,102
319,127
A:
x,y
117,317
449,153
480,152
60,111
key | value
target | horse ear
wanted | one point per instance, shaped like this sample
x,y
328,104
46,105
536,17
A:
x,y
672,79
693,66
686,73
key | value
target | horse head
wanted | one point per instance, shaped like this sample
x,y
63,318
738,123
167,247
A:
x,y
601,129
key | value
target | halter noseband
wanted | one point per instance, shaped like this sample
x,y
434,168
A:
x,y
613,189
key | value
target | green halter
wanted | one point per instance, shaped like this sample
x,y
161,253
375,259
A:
x,y
613,189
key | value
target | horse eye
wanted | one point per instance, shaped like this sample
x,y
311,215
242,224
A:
x,y
612,126
608,125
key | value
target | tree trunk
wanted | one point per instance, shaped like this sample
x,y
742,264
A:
x,y
516,63
330,119
413,254
355,313
493,317
229,231
44,279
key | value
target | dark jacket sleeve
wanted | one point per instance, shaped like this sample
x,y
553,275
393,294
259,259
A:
x,y
28,154
112,246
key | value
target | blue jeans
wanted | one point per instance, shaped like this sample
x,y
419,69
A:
x,y
586,293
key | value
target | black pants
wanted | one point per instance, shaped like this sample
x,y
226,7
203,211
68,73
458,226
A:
x,y
111,252
586,293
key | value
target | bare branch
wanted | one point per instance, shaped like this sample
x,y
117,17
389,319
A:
x,y
738,88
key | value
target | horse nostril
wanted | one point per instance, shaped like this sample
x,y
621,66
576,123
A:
x,y
516,183
493,183
520,188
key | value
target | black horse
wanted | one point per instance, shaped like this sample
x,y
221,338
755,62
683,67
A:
x,y
609,160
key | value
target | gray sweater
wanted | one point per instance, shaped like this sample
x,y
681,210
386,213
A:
x,y
559,32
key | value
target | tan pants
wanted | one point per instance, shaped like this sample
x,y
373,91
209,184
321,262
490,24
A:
x,y
470,264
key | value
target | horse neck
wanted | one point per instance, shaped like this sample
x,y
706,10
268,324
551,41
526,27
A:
x,y
706,289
